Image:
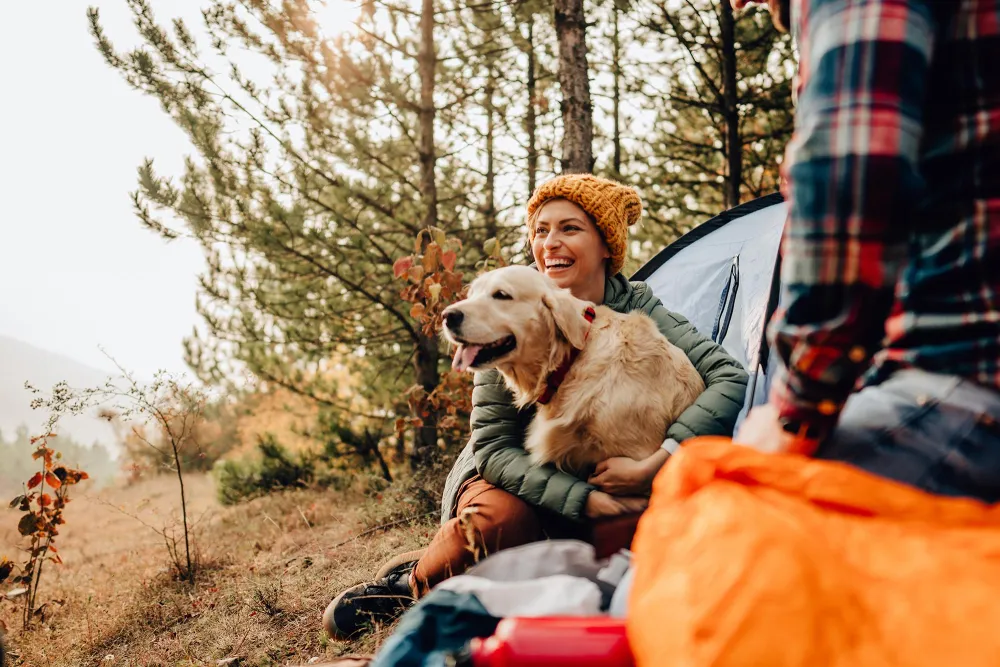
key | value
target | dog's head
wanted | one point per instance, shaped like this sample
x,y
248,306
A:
x,y
511,315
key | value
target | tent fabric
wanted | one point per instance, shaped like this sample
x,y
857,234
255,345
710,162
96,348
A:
x,y
720,276
746,558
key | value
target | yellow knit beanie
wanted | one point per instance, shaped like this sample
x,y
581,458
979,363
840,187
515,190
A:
x,y
613,206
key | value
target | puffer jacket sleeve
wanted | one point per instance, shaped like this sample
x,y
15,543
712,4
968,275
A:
x,y
716,410
498,429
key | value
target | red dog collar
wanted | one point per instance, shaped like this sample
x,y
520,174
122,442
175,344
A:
x,y
557,376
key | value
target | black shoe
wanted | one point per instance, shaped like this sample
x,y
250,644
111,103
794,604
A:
x,y
380,601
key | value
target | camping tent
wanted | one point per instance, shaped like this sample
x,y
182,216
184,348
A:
x,y
723,276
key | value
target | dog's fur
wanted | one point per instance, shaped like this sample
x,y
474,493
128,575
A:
x,y
625,388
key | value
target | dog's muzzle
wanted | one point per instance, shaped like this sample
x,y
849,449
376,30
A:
x,y
453,320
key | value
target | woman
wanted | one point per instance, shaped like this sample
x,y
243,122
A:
x,y
578,229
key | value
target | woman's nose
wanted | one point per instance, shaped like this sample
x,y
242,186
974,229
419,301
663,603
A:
x,y
552,240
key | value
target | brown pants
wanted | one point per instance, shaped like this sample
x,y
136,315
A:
x,y
489,519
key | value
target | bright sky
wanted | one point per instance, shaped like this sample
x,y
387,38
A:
x,y
77,270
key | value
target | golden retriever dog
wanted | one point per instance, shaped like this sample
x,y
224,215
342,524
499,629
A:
x,y
622,383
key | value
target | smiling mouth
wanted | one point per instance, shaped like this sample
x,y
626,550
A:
x,y
473,355
558,264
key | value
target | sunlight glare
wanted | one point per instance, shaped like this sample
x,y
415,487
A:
x,y
337,16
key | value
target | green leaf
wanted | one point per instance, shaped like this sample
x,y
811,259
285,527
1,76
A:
x,y
28,524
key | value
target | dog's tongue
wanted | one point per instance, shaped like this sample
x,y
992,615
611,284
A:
x,y
464,356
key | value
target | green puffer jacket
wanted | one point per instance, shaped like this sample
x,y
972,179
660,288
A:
x,y
496,448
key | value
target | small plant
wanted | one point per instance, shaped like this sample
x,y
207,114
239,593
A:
x,y
267,598
433,285
45,495
173,409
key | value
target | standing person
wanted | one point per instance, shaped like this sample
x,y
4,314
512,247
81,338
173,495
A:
x,y
578,230
891,253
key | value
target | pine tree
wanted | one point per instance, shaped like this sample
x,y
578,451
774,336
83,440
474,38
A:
x,y
721,98
306,186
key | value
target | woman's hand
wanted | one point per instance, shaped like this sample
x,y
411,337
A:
x,y
600,505
622,476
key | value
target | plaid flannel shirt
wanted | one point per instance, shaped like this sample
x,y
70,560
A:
x,y
891,254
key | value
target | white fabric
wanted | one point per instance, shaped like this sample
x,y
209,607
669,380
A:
x,y
619,601
540,559
556,595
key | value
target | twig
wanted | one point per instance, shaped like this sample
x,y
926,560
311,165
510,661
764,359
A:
x,y
384,526
301,514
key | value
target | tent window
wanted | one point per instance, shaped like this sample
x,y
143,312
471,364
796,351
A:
x,y
727,302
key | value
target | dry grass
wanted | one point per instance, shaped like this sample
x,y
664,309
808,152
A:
x,y
268,569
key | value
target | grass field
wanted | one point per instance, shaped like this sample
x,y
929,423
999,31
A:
x,y
268,569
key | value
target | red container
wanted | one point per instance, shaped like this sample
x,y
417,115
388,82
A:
x,y
596,641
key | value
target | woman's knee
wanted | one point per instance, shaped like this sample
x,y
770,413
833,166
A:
x,y
498,520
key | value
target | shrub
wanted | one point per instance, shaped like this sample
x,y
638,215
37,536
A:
x,y
273,470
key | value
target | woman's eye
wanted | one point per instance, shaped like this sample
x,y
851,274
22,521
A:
x,y
541,231
503,296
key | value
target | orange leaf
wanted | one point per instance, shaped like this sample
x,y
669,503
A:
x,y
53,549
431,255
52,480
415,273
448,260
45,500
35,480
401,266
417,311
82,475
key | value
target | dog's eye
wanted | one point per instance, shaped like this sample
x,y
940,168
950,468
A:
x,y
503,296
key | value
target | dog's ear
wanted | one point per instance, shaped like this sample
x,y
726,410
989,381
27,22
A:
x,y
567,311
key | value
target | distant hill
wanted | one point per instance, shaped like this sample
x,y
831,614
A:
x,y
21,362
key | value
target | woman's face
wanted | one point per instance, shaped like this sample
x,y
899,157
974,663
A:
x,y
568,248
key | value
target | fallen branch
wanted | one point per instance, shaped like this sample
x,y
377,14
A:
x,y
384,526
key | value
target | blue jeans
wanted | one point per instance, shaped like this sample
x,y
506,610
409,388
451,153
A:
x,y
939,433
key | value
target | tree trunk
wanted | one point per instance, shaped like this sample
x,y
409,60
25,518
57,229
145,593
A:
x,y
426,358
426,366
490,206
577,110
734,144
189,575
617,72
428,157
531,121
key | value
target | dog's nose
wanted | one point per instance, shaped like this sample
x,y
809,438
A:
x,y
453,319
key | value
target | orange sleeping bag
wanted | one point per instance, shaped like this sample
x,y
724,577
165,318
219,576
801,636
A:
x,y
748,559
